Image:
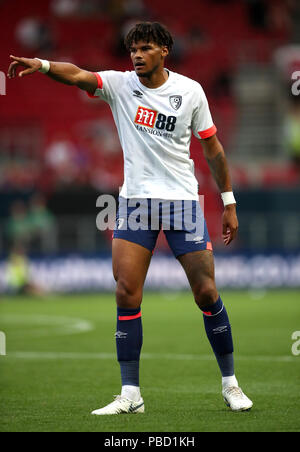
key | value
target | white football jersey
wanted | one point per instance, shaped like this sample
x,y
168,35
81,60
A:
x,y
155,128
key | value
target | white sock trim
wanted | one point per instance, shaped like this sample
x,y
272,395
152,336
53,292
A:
x,y
229,381
131,392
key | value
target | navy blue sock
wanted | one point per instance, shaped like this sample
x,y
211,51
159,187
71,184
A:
x,y
218,331
129,341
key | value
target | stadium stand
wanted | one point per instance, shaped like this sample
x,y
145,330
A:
x,y
54,138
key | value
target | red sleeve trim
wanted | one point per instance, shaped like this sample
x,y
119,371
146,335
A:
x,y
208,132
100,85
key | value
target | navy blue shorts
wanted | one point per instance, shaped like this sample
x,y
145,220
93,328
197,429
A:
x,y
141,220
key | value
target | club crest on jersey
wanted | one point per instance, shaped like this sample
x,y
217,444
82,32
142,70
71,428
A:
x,y
176,102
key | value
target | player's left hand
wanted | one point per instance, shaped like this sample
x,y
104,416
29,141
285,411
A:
x,y
230,224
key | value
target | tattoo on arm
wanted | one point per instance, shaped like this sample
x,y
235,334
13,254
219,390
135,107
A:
x,y
220,171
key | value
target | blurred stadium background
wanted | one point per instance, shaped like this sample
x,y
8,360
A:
x,y
59,149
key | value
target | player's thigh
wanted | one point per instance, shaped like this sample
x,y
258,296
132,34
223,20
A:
x,y
130,266
200,270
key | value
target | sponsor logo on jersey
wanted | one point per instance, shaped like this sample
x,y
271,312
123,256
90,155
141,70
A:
x,y
146,117
175,102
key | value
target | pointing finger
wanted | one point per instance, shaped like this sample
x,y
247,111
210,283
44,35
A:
x,y
16,58
27,72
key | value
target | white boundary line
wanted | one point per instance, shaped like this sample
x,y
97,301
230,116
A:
x,y
33,355
36,325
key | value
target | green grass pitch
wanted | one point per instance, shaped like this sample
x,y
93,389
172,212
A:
x,y
60,364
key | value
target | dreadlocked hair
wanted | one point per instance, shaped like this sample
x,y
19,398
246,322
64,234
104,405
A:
x,y
149,32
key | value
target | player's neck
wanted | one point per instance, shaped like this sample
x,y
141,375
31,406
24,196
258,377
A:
x,y
156,79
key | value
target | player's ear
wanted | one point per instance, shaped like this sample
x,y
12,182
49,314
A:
x,y
164,51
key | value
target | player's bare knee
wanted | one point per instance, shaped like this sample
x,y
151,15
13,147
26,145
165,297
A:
x,y
127,296
205,294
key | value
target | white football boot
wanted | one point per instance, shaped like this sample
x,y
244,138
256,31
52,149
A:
x,y
121,405
236,399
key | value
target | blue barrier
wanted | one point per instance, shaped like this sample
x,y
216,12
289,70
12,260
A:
x,y
81,274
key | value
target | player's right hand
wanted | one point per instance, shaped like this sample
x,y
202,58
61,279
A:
x,y
31,64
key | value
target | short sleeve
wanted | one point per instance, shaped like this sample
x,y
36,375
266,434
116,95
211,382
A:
x,y
108,84
202,122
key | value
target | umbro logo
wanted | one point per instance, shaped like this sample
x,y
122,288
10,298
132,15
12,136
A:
x,y
120,335
199,239
220,329
138,94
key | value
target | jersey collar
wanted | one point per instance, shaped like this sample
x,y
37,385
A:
x,y
154,90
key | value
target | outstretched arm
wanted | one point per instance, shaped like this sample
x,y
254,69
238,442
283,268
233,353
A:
x,y
66,73
217,162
